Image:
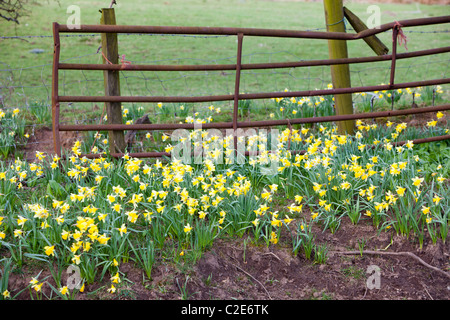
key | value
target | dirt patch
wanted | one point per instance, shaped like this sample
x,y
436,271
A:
x,y
232,269
274,273
42,140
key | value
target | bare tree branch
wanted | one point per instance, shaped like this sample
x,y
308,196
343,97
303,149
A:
x,y
12,10
9,19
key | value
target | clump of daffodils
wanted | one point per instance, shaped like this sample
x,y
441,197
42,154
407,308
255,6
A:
x,y
93,208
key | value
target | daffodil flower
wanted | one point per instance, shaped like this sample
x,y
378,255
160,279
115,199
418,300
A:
x,y
112,289
116,278
49,250
6,294
187,228
64,290
122,229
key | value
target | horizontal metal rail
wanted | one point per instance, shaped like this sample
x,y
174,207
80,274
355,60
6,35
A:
x,y
252,31
253,96
250,66
262,123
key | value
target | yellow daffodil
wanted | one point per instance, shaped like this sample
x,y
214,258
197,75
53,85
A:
x,y
64,290
21,220
6,294
49,250
436,199
103,239
187,228
112,289
122,229
273,238
116,278
417,182
425,210
401,191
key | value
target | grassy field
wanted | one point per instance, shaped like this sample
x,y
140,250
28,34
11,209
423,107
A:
x,y
27,75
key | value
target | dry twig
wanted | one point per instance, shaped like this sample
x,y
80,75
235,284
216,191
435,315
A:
x,y
248,274
273,254
409,254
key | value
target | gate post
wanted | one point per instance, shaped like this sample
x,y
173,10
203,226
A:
x,y
340,74
55,93
110,52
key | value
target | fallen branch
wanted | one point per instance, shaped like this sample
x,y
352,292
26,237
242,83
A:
x,y
409,254
248,274
271,253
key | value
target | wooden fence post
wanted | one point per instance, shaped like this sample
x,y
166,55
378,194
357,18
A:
x,y
110,52
340,74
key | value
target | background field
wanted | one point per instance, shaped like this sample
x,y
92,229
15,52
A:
x,y
26,76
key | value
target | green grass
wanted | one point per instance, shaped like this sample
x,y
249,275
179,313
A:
x,y
31,73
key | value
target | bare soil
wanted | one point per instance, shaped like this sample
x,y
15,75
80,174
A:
x,y
42,141
257,272
232,269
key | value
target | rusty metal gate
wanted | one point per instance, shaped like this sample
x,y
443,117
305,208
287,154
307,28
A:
x,y
240,33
